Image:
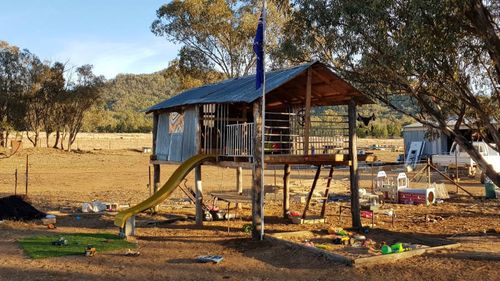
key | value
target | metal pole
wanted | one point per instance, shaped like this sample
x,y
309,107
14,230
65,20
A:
x,y
263,119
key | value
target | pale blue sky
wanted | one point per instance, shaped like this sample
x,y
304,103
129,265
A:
x,y
113,35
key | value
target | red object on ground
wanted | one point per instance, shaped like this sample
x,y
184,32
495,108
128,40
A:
x,y
411,198
366,214
295,214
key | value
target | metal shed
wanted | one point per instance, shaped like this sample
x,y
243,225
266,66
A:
x,y
437,144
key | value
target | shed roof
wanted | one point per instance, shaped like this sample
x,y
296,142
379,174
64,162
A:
x,y
243,89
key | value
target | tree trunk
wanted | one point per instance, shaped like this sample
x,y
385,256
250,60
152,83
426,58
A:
x,y
47,135
487,169
33,140
58,134
69,141
2,140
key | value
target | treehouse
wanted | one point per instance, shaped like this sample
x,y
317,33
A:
x,y
310,118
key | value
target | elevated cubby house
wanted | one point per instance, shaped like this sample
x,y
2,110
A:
x,y
310,118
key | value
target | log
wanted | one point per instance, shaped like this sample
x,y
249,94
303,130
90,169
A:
x,y
286,190
257,190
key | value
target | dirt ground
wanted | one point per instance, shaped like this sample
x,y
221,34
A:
x,y
61,180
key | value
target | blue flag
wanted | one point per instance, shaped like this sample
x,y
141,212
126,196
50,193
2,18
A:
x,y
258,48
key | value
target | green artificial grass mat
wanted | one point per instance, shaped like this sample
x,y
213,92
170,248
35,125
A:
x,y
38,247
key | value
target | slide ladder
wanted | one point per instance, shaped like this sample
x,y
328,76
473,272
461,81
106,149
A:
x,y
164,192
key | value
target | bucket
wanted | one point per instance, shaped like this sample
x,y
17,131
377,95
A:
x,y
489,190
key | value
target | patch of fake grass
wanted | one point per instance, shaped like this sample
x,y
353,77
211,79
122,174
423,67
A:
x,y
38,247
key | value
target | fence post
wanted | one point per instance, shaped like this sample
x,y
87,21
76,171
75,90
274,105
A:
x,y
15,182
27,173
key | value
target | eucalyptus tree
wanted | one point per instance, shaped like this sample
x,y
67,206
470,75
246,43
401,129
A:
x,y
222,31
435,61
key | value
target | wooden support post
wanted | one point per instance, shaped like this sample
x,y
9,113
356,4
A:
x,y
286,190
309,196
452,181
156,181
156,167
327,191
239,183
307,117
199,195
129,227
149,181
257,192
354,175
155,132
429,171
27,173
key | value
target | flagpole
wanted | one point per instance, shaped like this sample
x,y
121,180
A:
x,y
264,19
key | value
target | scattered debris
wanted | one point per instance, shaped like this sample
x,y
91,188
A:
x,y
60,242
49,219
131,253
90,251
93,207
441,191
15,208
247,228
209,258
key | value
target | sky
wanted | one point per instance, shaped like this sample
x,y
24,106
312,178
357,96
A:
x,y
112,35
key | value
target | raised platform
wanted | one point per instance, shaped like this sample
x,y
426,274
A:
x,y
317,159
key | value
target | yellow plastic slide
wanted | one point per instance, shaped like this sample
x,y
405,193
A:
x,y
180,173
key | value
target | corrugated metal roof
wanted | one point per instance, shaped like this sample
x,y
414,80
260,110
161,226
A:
x,y
234,90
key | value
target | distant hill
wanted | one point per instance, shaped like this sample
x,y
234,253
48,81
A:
x,y
126,97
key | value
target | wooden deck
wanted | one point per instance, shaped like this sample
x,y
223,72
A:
x,y
318,159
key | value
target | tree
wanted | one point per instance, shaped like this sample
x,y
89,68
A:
x,y
53,95
81,96
221,31
441,56
13,84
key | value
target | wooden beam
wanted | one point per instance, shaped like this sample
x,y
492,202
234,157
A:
x,y
197,171
354,175
257,192
239,183
286,190
156,181
155,131
309,196
400,256
156,168
199,195
307,120
327,190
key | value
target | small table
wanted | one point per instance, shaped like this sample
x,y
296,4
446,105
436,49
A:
x,y
231,197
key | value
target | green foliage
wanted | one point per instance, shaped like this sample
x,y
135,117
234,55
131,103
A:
x,y
220,31
38,247
441,57
124,100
